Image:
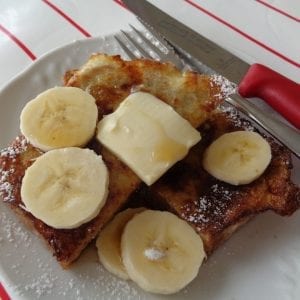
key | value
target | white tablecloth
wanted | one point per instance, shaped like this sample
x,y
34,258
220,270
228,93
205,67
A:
x,y
257,31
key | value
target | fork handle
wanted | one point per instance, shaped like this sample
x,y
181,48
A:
x,y
285,134
278,91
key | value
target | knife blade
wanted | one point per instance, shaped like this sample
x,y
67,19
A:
x,y
259,81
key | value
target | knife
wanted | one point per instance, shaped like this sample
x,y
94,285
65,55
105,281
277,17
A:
x,y
257,80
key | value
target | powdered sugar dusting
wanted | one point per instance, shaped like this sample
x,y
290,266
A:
x,y
6,189
36,275
13,232
19,147
227,88
154,253
42,285
210,208
236,118
19,240
105,284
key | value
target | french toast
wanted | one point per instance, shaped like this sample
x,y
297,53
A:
x,y
110,80
214,208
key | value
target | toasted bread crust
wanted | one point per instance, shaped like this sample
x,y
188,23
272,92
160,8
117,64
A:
x,y
66,244
110,80
214,208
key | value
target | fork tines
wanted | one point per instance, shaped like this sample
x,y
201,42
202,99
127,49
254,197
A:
x,y
137,44
149,44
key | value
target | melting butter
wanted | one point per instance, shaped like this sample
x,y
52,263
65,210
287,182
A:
x,y
147,134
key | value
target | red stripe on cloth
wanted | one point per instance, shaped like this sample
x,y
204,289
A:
x,y
18,42
278,10
66,17
120,3
3,294
244,34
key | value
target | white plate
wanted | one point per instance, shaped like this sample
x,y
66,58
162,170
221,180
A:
x,y
261,261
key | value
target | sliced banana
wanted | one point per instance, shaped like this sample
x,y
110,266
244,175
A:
x,y
161,252
237,157
109,242
65,187
59,117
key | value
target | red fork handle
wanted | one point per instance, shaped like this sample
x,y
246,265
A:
x,y
278,91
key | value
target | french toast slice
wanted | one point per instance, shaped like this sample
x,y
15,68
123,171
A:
x,y
214,208
65,244
110,80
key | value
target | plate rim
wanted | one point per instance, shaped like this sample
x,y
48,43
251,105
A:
x,y
24,73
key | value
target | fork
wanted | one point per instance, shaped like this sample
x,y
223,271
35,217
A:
x,y
149,44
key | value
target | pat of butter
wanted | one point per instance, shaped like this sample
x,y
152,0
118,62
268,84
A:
x,y
147,134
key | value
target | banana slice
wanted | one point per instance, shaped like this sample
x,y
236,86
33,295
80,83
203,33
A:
x,y
65,187
237,157
161,252
59,117
109,242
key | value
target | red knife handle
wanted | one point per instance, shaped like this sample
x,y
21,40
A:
x,y
278,91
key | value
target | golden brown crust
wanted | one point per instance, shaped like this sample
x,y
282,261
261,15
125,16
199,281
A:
x,y
66,244
216,209
109,79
